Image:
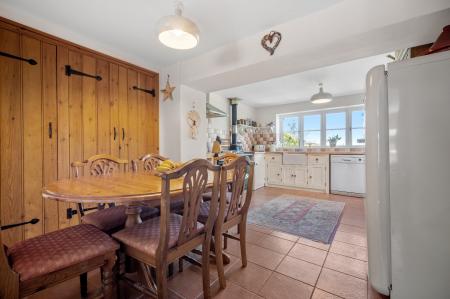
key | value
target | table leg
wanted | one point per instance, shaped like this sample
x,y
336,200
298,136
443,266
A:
x,y
133,216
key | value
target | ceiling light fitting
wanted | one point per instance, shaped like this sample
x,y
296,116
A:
x,y
178,32
321,97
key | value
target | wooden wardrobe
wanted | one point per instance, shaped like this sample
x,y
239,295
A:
x,y
50,119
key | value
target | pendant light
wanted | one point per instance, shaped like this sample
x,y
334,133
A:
x,y
321,97
178,32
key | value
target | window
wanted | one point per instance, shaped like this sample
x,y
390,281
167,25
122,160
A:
x,y
343,127
289,131
336,128
311,130
357,128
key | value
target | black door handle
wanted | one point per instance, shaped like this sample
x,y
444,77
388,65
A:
x,y
123,134
50,130
115,133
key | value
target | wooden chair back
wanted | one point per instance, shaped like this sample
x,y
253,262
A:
x,y
149,162
240,193
195,175
98,165
9,282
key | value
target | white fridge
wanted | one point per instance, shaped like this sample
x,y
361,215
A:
x,y
408,177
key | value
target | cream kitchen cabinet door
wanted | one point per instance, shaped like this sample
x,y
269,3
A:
x,y
274,175
316,176
301,176
288,175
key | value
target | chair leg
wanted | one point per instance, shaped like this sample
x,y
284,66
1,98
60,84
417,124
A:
x,y
161,280
108,277
180,265
83,285
219,260
205,270
243,242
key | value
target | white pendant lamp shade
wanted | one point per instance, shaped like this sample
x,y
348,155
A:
x,y
178,32
321,97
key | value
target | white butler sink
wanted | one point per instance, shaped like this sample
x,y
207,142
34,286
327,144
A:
x,y
294,159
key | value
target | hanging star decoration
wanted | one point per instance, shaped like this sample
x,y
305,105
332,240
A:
x,y
168,90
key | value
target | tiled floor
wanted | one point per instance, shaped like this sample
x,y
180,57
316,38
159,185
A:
x,y
280,265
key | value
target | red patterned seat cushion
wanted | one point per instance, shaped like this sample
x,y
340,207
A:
x,y
208,195
204,212
145,236
58,250
113,219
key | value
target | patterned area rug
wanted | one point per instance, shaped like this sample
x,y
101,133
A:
x,y
316,220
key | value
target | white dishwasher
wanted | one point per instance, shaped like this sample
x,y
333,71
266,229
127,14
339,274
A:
x,y
348,175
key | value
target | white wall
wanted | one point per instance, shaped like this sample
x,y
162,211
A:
x,y
170,116
192,148
264,115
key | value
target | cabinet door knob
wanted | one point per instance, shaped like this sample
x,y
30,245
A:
x,y
310,176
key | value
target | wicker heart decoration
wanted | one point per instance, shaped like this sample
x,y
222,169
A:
x,y
271,41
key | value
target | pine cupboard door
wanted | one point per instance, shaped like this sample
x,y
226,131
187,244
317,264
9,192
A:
x,y
32,136
131,136
114,109
49,132
155,111
123,124
103,108
11,125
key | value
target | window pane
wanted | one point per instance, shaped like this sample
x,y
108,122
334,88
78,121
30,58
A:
x,y
336,120
340,139
311,122
358,119
290,131
358,137
312,138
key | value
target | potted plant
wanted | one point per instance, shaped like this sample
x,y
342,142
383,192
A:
x,y
333,140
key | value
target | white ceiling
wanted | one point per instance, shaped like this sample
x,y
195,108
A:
x,y
340,79
129,26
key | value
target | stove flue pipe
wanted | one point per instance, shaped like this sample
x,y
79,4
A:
x,y
234,103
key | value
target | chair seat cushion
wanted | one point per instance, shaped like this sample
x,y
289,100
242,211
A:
x,y
203,213
177,205
114,218
145,236
207,196
58,250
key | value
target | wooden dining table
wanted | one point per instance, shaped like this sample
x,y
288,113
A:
x,y
131,189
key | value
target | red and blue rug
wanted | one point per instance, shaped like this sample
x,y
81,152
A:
x,y
316,220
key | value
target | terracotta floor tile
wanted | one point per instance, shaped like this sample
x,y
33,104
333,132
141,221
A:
x,y
309,254
346,265
299,270
259,228
351,238
352,229
189,282
252,277
284,235
342,284
276,244
279,286
349,250
231,291
313,243
264,257
319,294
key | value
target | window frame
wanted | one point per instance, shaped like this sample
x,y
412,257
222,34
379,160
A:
x,y
323,129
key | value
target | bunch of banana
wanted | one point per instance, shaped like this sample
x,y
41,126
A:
x,y
167,165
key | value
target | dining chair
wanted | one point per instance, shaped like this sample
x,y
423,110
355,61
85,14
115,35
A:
x,y
148,163
106,219
162,240
32,265
232,211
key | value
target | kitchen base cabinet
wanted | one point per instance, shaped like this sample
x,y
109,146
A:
x,y
260,171
312,176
